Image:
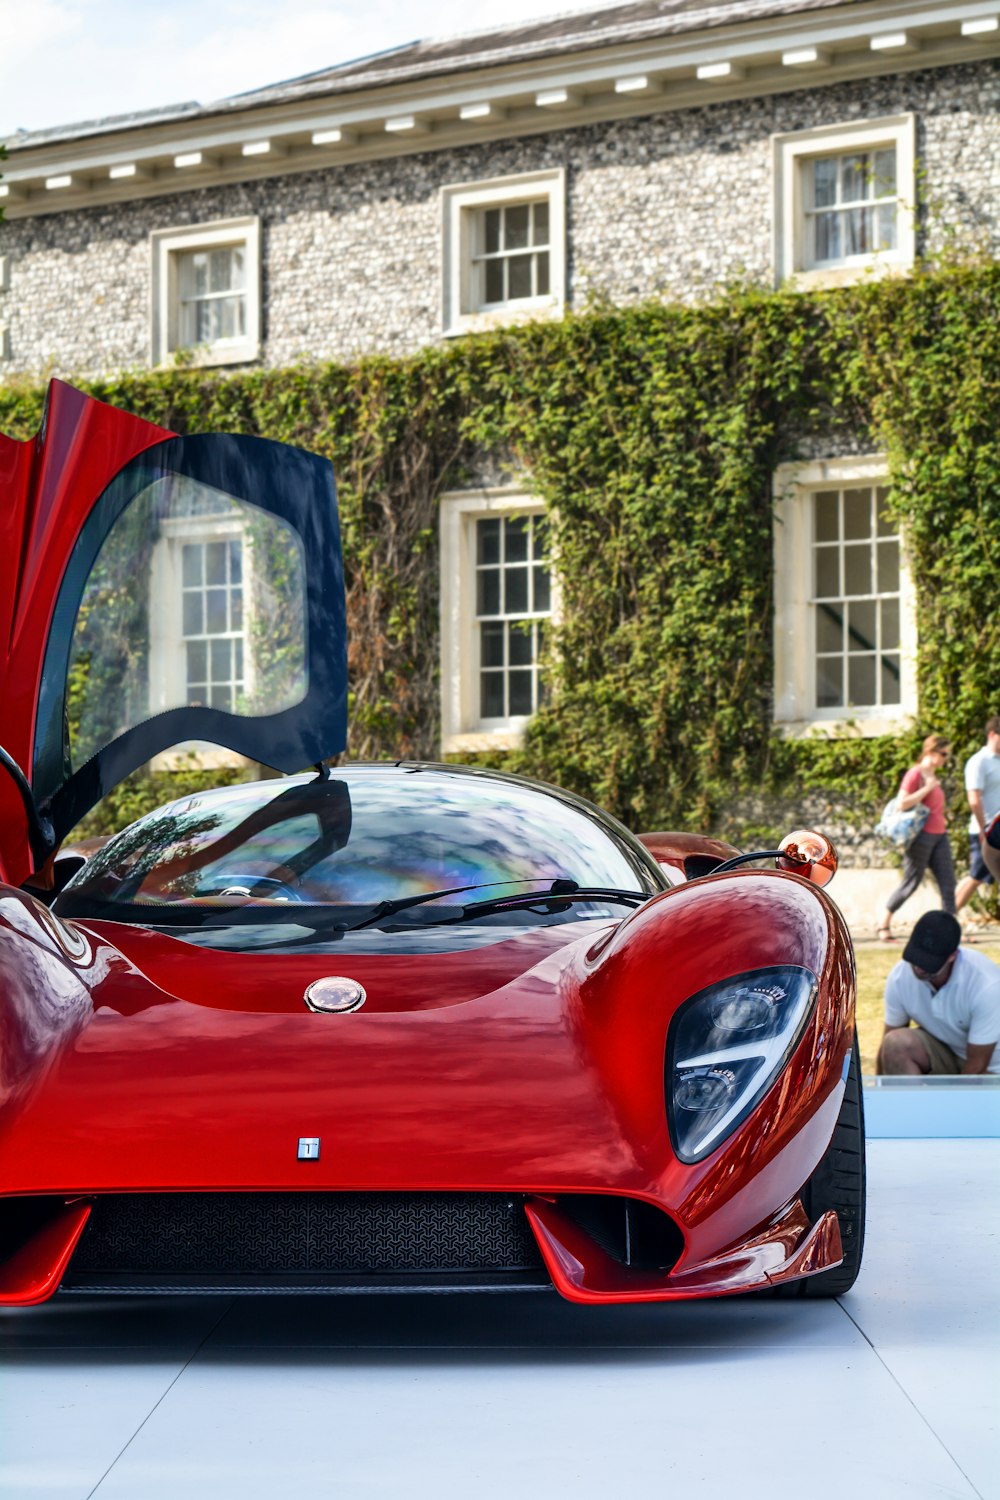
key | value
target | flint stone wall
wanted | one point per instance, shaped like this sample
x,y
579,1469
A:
x,y
670,204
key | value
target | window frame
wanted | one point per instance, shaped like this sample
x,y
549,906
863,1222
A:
x,y
463,730
791,156
461,205
167,245
795,710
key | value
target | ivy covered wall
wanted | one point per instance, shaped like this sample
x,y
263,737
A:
x,y
652,434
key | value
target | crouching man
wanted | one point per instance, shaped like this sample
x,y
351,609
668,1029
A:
x,y
952,997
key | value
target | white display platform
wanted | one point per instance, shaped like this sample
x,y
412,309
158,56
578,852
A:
x,y
890,1393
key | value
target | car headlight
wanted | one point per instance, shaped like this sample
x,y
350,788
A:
x,y
726,1046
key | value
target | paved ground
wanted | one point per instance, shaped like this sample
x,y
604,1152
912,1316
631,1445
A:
x,y
890,1393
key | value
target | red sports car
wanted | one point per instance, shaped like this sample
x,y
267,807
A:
x,y
382,1028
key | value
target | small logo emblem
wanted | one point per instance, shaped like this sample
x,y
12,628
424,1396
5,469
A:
x,y
308,1148
334,995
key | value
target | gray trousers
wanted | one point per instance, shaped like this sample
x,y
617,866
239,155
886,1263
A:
x,y
929,851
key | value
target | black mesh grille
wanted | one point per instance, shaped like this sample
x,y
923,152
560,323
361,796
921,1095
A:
x,y
275,1234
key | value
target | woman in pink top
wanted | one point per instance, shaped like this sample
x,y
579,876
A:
x,y
930,850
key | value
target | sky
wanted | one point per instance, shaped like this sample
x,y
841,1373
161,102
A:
x,y
62,61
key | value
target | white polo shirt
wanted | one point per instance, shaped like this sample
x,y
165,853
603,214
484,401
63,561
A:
x,y
964,1010
982,774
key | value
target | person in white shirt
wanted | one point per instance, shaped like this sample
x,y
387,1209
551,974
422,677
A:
x,y
982,787
951,995
991,848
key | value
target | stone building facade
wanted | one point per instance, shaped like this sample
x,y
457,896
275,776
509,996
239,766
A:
x,y
681,194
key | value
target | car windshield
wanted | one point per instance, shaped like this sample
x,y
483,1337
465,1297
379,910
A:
x,y
390,844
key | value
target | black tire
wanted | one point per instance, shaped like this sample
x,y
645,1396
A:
x,y
839,1183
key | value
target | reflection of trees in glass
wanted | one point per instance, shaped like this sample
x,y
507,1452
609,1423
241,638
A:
x,y
172,838
277,627
112,655
108,687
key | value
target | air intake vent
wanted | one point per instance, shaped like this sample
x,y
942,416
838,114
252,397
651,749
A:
x,y
304,1234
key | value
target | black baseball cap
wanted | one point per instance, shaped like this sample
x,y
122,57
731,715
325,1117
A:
x,y
935,937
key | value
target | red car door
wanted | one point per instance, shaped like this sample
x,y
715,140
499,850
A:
x,y
157,591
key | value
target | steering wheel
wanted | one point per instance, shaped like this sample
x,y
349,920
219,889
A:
x,y
252,887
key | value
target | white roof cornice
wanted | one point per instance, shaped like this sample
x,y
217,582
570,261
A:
x,y
532,94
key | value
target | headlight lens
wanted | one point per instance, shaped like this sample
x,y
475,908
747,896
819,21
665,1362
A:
x,y
726,1046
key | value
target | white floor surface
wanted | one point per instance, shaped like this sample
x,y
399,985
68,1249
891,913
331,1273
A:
x,y
892,1392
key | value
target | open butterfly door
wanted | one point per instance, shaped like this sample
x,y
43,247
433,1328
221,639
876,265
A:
x,y
158,591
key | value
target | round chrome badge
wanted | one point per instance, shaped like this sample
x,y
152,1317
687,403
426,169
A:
x,y
334,996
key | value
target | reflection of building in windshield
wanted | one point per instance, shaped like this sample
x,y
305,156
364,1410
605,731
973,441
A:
x,y
368,836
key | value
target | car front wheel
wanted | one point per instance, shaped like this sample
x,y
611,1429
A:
x,y
839,1183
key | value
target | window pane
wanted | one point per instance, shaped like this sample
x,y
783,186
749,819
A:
x,y
519,685
884,172
237,268
827,524
220,270
827,572
858,569
492,230
488,541
828,236
196,662
886,525
890,679
519,645
515,591
855,178
491,695
191,558
857,513
236,561
861,626
888,567
824,181
861,681
215,562
539,536
205,322
829,693
519,276
222,697
193,618
517,226
491,645
229,317
543,596
540,218
829,628
887,227
857,225
516,540
890,624
215,611
542,273
238,645
236,609
494,281
488,592
221,660
194,274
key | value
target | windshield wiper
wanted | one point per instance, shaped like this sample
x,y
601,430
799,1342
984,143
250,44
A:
x,y
554,898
